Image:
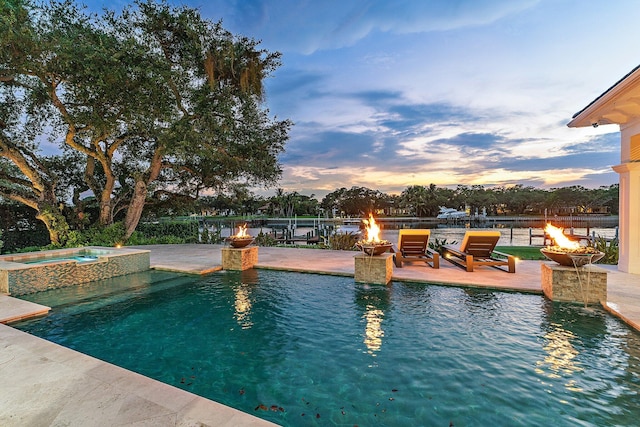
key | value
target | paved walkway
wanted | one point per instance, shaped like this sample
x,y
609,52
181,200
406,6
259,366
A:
x,y
205,258
45,384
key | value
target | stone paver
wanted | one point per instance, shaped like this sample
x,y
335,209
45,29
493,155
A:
x,y
43,383
14,309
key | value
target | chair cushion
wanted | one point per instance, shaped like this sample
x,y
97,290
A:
x,y
480,233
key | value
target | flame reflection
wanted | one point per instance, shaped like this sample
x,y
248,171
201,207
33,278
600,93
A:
x,y
373,329
560,358
243,306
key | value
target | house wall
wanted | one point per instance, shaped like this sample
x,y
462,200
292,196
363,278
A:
x,y
629,217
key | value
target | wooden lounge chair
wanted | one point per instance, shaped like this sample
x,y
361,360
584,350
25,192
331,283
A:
x,y
413,245
477,249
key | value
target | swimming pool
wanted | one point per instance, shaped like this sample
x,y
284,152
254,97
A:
x,y
303,349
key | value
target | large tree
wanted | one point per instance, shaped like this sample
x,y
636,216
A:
x,y
157,100
356,201
24,173
422,201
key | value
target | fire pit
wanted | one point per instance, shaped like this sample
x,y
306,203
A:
x,y
574,284
241,242
568,253
378,249
373,245
571,259
241,239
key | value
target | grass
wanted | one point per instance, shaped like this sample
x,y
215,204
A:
x,y
522,252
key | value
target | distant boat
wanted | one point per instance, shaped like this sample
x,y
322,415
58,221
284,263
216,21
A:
x,y
348,229
451,213
349,226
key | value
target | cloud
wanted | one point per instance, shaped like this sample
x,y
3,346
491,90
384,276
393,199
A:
x,y
309,26
599,144
412,92
424,144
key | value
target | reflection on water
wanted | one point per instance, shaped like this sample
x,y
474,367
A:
x,y
374,300
242,306
560,359
578,349
242,295
373,329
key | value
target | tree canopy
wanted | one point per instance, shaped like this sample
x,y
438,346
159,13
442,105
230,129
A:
x,y
425,201
153,102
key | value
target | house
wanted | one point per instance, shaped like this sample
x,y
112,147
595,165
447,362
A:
x,y
620,104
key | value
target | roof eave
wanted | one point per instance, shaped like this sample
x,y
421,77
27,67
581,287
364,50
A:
x,y
591,114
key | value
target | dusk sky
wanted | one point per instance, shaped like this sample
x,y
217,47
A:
x,y
387,94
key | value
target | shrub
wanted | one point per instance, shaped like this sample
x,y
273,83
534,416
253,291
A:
x,y
76,239
205,236
263,239
437,245
31,249
610,249
111,235
187,230
17,239
209,236
343,241
137,239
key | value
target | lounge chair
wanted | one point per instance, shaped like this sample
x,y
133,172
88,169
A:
x,y
413,245
477,249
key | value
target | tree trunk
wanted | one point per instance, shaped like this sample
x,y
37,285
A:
x,y
55,222
102,193
106,216
136,206
106,200
134,211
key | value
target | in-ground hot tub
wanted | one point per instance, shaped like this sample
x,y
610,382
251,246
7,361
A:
x,y
38,271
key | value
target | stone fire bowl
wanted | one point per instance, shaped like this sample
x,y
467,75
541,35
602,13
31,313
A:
x,y
239,242
572,259
374,249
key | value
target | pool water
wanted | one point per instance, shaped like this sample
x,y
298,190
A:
x,y
77,258
303,349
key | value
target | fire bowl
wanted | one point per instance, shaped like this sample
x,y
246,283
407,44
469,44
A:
x,y
240,242
572,259
374,249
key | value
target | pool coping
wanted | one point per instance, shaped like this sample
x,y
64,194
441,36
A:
x,y
43,379
15,309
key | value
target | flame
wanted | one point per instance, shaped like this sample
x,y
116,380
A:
x,y
373,230
557,234
242,231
